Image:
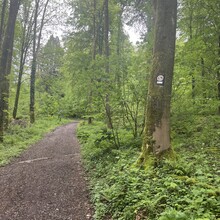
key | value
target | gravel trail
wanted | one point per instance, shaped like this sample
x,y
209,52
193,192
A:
x,y
47,182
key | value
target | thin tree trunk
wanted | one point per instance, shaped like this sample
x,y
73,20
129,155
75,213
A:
x,y
203,78
193,80
36,47
7,89
106,33
218,74
21,68
118,49
25,45
94,29
93,57
33,66
100,30
107,70
193,87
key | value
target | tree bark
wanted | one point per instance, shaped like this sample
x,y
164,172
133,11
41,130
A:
x,y
7,88
193,80
94,46
25,45
20,74
106,33
36,47
203,78
33,66
100,30
107,70
94,29
157,125
5,61
3,13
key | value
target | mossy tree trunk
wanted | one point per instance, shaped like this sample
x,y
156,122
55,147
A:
x,y
157,125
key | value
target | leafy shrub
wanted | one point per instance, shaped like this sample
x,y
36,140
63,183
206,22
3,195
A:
x,y
173,215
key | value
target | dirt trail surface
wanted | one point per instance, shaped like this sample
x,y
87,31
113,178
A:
x,y
47,181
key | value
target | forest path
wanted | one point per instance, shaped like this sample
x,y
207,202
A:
x,y
47,181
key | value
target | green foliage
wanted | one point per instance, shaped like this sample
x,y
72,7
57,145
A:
x,y
74,83
186,188
20,137
50,85
173,215
196,130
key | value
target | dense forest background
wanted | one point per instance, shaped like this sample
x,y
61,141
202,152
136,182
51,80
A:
x,y
74,59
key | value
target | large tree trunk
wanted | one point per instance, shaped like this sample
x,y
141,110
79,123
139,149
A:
x,y
157,125
5,61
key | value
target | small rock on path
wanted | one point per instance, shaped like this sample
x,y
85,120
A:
x,y
47,182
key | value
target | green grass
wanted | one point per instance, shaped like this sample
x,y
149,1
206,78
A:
x,y
18,139
186,188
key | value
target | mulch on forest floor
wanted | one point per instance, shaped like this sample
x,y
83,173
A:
x,y
47,182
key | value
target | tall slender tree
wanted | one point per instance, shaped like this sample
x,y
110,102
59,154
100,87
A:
x,y
218,73
26,40
36,47
107,67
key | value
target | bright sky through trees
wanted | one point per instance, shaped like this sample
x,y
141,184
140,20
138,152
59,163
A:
x,y
134,35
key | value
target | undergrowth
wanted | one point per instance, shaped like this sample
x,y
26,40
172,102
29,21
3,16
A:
x,y
18,138
183,189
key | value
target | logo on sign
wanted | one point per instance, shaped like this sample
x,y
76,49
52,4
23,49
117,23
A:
x,y
160,80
